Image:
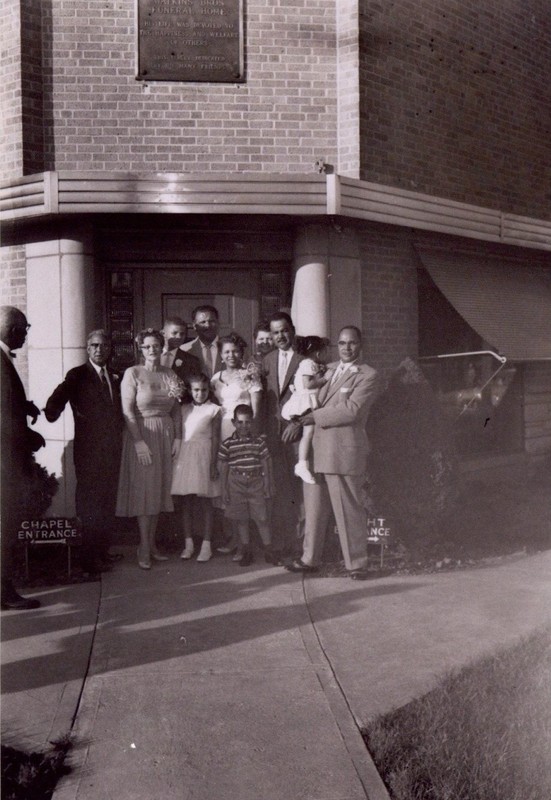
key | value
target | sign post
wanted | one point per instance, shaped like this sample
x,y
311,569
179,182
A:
x,y
378,533
54,530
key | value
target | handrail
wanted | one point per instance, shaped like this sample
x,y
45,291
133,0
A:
x,y
501,359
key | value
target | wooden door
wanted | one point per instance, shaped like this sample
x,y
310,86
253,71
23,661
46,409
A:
x,y
175,292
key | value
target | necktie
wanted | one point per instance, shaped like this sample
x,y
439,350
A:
x,y
337,374
283,368
208,359
105,383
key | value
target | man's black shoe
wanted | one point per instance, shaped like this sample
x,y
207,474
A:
x,y
247,558
272,557
297,565
95,567
18,603
112,558
359,575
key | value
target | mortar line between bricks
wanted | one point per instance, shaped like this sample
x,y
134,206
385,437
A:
x,y
343,714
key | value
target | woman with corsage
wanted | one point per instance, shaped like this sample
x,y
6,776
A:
x,y
235,383
152,438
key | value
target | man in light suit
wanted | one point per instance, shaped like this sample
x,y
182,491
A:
x,y
184,364
93,391
205,346
279,369
340,450
19,443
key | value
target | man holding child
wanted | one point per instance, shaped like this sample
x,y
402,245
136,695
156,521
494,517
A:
x,y
340,449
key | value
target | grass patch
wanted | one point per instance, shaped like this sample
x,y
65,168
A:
x,y
33,776
483,734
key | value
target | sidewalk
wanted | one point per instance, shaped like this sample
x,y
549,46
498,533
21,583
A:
x,y
213,681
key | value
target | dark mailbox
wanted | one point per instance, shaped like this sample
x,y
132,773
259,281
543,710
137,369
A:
x,y
190,40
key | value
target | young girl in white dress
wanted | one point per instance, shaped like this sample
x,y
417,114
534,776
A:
x,y
309,377
195,474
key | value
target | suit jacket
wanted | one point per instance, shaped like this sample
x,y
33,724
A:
x,y
194,349
340,441
18,441
273,398
183,364
98,435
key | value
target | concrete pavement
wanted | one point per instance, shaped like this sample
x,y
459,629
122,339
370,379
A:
x,y
210,680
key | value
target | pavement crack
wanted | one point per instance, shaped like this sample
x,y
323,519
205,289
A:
x,y
89,660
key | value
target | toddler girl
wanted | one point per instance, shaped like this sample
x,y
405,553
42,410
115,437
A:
x,y
309,377
195,474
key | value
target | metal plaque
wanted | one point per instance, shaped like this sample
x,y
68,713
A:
x,y
190,40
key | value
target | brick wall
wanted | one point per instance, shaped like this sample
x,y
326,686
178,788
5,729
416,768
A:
x,y
389,296
456,100
10,91
280,120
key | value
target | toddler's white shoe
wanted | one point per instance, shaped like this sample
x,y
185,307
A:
x,y
302,471
187,552
205,554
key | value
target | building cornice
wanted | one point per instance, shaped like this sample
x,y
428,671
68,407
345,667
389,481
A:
x,y
53,194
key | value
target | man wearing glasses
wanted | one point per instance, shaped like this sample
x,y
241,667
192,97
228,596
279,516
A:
x,y
93,392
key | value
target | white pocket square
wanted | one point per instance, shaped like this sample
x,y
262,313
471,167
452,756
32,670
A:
x,y
344,389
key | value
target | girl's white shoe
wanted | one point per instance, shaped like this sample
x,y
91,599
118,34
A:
x,y
205,554
187,552
302,471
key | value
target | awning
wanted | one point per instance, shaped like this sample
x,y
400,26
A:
x,y
507,302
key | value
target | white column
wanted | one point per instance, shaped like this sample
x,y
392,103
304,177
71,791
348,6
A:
x,y
310,306
327,287
60,309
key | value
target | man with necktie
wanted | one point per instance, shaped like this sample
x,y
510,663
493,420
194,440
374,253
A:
x,y
183,364
206,324
340,450
19,443
93,391
279,369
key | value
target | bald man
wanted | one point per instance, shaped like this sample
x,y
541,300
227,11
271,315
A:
x,y
19,443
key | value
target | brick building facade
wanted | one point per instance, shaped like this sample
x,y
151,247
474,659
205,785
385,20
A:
x,y
362,137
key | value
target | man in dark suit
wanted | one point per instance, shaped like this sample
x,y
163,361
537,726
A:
x,y
19,443
279,369
93,391
340,449
205,347
184,364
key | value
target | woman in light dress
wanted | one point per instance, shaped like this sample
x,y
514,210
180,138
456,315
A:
x,y
235,384
151,440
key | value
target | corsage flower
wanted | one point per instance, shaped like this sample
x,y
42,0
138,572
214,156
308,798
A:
x,y
176,388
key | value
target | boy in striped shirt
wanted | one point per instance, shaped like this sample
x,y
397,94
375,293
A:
x,y
246,475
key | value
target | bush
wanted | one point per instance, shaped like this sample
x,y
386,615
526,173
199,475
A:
x,y
37,491
412,464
